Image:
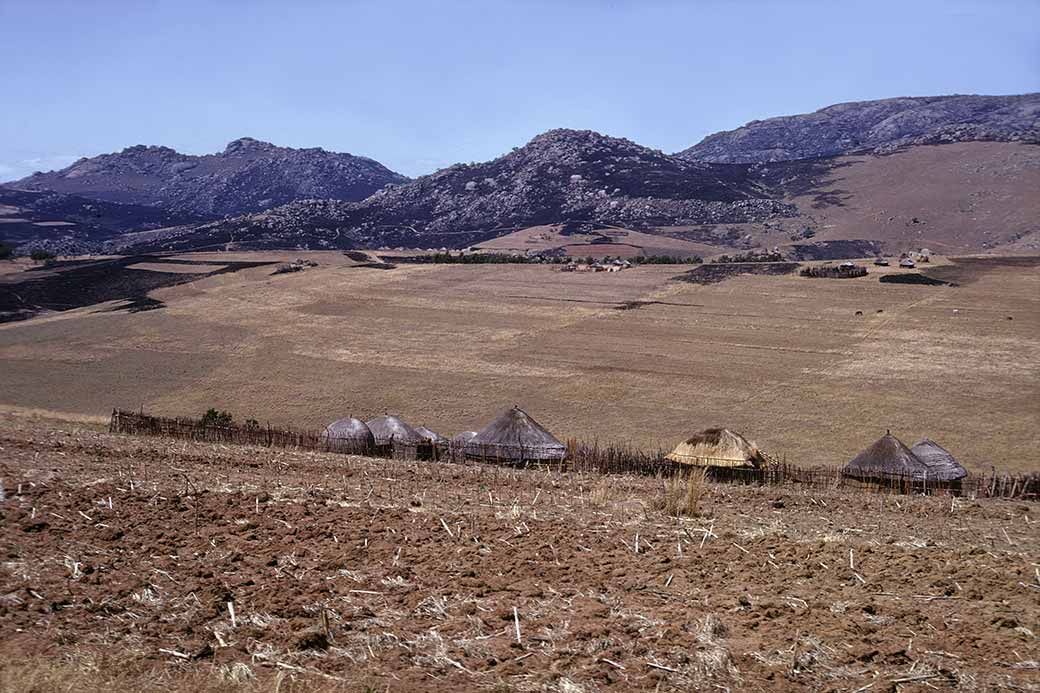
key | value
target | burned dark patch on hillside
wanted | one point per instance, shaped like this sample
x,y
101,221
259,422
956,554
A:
x,y
717,273
835,250
967,270
80,283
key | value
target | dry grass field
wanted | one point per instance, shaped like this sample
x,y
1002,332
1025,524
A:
x,y
151,564
784,359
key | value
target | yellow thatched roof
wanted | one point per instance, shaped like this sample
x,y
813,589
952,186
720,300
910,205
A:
x,y
717,447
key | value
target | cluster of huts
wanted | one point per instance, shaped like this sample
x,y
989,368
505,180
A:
x,y
512,437
890,458
615,265
515,437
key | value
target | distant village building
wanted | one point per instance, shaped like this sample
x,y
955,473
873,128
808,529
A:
x,y
907,263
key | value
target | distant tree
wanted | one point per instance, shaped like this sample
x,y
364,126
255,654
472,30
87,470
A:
x,y
41,256
6,251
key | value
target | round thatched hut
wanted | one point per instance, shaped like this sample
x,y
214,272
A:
x,y
718,447
436,444
348,435
387,429
463,438
888,458
394,436
435,438
940,463
515,437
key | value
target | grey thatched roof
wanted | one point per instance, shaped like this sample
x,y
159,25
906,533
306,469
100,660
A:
x,y
463,438
349,433
435,438
941,464
887,457
515,436
390,428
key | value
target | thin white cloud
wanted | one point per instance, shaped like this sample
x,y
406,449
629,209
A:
x,y
14,170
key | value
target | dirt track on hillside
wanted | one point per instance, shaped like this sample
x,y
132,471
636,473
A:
x,y
129,550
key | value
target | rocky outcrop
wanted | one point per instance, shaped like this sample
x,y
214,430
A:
x,y
880,126
559,176
248,176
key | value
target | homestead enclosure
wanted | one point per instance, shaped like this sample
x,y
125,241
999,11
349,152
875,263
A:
x,y
641,356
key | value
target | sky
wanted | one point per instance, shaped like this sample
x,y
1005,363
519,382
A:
x,y
421,85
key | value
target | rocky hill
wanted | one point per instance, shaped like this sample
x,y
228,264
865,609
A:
x,y
248,176
71,225
879,126
559,176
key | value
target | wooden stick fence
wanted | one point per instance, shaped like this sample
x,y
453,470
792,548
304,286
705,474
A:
x,y
584,457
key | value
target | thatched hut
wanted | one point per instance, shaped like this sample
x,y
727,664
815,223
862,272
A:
x,y
390,428
461,439
887,458
435,438
515,437
941,464
348,435
457,445
437,444
395,436
718,447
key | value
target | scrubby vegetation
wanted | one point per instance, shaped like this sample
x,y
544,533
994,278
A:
x,y
750,257
213,417
681,495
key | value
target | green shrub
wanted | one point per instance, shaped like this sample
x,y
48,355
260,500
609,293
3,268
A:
x,y
212,417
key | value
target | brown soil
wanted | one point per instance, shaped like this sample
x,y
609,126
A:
x,y
120,556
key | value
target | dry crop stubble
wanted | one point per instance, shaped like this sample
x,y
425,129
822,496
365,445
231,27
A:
x,y
418,575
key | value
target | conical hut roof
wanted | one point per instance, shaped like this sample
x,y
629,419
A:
x,y
887,457
515,436
717,447
941,464
390,428
349,433
463,438
435,438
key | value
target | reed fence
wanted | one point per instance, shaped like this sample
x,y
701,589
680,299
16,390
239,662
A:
x,y
583,457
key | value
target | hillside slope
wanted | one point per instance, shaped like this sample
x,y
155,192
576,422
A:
x,y
248,176
956,198
870,125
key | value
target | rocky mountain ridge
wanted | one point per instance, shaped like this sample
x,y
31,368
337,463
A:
x,y
560,175
248,176
879,126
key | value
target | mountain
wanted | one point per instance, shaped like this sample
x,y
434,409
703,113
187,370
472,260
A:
x,y
70,225
879,126
248,176
559,176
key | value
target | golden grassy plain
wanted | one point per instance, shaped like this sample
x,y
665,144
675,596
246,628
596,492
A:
x,y
785,360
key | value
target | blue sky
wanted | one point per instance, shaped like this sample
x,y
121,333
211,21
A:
x,y
421,85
